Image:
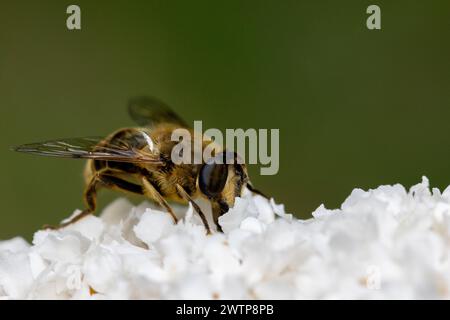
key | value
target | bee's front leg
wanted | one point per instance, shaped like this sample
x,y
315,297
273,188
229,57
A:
x,y
188,198
219,207
256,191
151,192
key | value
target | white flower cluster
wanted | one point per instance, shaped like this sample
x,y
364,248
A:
x,y
382,243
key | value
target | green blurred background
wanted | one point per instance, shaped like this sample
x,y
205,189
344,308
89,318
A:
x,y
355,108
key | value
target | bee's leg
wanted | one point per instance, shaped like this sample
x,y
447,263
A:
x,y
112,182
219,207
105,179
151,192
90,197
252,189
188,198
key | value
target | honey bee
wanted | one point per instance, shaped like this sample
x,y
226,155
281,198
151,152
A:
x,y
138,160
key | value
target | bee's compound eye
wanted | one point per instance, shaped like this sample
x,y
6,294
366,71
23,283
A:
x,y
212,179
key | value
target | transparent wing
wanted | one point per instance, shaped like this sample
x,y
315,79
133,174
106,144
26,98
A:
x,y
149,111
89,148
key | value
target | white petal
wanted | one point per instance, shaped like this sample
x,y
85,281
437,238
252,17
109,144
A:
x,y
15,274
153,225
16,244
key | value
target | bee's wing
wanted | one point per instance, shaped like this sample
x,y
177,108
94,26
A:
x,y
89,148
149,111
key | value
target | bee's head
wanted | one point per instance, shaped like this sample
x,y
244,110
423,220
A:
x,y
222,179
